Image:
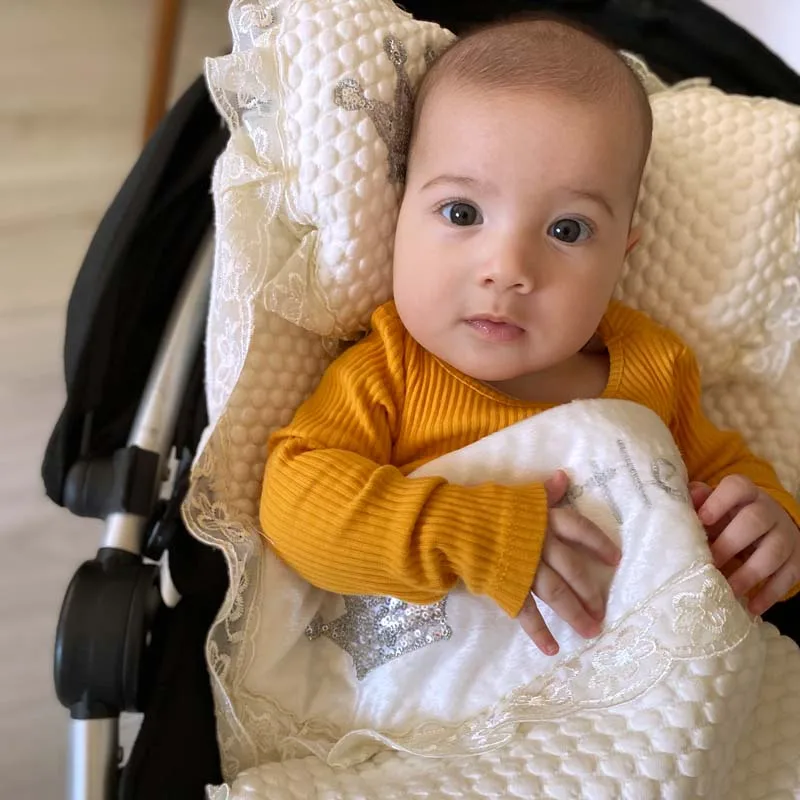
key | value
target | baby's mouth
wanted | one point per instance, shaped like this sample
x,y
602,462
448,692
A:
x,y
495,329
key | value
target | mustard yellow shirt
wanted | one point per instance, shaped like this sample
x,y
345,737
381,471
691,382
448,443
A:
x,y
337,505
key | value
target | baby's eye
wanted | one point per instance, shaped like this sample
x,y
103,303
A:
x,y
463,214
570,230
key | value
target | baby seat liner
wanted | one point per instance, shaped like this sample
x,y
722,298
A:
x,y
271,333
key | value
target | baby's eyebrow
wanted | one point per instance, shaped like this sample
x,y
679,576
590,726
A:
x,y
595,196
459,180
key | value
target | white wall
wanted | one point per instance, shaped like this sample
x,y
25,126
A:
x,y
774,22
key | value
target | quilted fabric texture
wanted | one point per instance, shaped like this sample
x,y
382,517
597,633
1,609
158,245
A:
x,y
318,95
719,255
306,196
592,755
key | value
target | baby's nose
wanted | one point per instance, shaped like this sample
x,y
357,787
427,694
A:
x,y
510,269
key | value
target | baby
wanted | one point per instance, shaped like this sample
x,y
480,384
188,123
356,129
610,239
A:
x,y
527,151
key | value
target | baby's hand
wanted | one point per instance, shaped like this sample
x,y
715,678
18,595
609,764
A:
x,y
565,579
753,540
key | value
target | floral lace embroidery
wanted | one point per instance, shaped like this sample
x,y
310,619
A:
x,y
617,665
702,613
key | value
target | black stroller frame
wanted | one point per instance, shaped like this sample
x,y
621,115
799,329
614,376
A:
x,y
119,591
123,446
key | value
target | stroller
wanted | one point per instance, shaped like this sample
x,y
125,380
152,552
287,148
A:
x,y
135,413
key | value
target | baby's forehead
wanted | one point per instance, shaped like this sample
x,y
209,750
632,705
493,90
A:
x,y
455,103
531,58
538,50
477,132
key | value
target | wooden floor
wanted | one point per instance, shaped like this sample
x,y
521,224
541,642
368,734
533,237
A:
x,y
72,84
72,79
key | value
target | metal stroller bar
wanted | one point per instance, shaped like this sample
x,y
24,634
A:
x,y
109,607
154,425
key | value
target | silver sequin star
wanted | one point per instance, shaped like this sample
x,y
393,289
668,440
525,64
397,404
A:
x,y
376,630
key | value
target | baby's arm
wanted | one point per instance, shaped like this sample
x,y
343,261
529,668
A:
x,y
743,500
337,511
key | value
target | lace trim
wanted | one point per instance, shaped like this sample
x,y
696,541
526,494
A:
x,y
256,209
783,323
250,729
651,82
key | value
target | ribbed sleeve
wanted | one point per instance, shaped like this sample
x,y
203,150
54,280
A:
x,y
338,511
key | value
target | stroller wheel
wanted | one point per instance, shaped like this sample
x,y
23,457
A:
x,y
103,635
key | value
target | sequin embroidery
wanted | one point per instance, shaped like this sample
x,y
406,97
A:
x,y
376,630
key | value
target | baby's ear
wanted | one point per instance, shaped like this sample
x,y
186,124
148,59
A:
x,y
633,239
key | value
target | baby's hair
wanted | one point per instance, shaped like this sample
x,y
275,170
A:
x,y
540,52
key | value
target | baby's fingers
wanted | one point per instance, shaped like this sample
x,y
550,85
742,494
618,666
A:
x,y
530,618
587,580
770,555
700,492
550,587
776,588
747,527
733,492
573,527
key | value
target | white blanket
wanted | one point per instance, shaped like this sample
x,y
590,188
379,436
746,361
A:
x,y
682,696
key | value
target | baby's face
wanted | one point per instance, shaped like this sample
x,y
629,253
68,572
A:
x,y
513,228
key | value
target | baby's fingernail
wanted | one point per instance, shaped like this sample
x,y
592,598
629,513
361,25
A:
x,y
550,649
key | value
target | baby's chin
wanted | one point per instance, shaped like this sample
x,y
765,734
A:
x,y
492,371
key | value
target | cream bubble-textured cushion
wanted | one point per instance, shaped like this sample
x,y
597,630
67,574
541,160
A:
x,y
719,256
319,97
591,756
719,211
306,195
